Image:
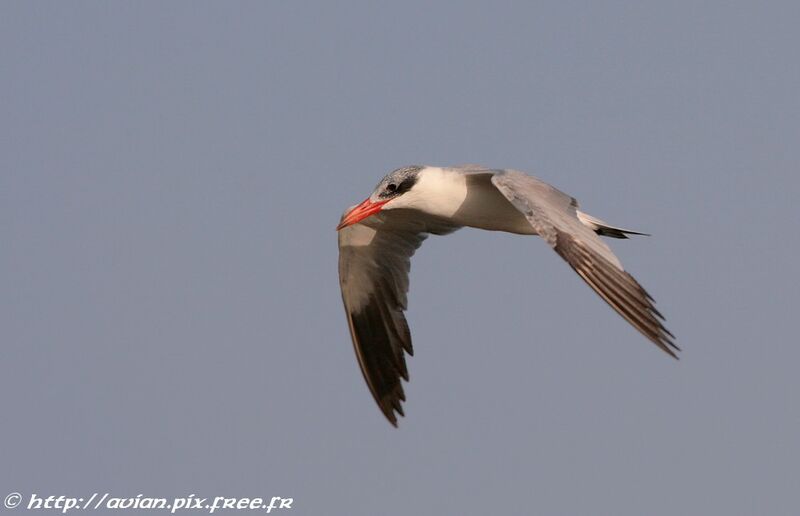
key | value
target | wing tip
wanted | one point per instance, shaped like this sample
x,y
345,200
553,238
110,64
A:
x,y
669,348
391,407
664,339
620,290
391,417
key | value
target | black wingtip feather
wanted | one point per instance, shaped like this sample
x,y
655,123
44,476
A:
x,y
383,362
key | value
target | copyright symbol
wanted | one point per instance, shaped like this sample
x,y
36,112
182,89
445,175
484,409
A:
x,y
12,500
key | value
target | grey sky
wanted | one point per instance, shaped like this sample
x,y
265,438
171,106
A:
x,y
170,178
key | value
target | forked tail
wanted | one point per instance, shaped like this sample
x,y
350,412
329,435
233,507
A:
x,y
603,229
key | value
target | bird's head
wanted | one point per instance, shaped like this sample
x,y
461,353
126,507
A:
x,y
385,195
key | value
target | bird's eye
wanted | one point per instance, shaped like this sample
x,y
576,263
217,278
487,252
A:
x,y
391,187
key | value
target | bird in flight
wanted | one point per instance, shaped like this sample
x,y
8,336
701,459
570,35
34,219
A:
x,y
378,237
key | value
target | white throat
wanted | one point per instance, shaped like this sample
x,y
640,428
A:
x,y
438,191
463,199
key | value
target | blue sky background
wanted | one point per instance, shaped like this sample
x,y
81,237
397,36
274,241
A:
x,y
170,178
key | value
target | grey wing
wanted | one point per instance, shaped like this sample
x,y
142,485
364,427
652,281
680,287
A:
x,y
553,215
374,262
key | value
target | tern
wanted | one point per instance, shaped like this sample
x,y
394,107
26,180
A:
x,y
378,237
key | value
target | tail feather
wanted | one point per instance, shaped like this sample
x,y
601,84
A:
x,y
604,229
